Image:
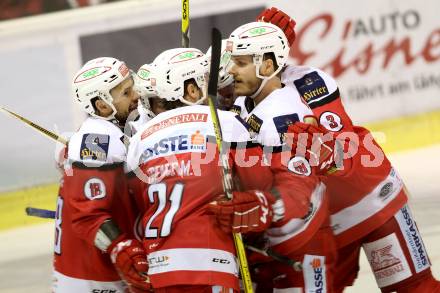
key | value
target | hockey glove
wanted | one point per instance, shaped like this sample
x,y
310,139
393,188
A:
x,y
280,19
315,143
130,259
249,211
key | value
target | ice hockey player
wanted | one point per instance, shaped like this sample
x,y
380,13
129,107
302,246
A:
x,y
368,206
259,52
95,249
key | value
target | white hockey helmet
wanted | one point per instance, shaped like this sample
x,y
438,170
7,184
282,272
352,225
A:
x,y
95,80
224,78
173,67
142,84
256,39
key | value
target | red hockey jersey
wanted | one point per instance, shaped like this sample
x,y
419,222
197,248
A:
x,y
305,199
372,192
93,189
176,157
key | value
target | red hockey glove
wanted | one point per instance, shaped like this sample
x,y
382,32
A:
x,y
280,19
249,211
315,143
130,259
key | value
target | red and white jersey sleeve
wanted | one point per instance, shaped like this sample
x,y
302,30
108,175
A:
x,y
370,193
303,195
94,189
321,93
176,156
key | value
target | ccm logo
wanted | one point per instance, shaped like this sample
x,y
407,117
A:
x,y
221,260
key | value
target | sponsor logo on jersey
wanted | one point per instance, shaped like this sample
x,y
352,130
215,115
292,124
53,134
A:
x,y
386,190
236,109
178,119
221,260
94,147
300,166
413,239
311,86
314,273
94,188
387,260
283,122
158,261
91,73
105,291
254,123
195,142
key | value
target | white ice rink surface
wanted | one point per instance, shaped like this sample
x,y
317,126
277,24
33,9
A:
x,y
26,253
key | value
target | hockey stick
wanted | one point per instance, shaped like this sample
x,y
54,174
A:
x,y
185,23
46,132
296,265
226,170
40,213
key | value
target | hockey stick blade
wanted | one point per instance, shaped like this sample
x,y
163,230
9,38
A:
x,y
40,213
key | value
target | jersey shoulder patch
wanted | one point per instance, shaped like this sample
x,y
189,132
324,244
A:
x,y
97,143
311,86
94,146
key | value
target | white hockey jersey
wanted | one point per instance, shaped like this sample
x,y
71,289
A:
x,y
306,203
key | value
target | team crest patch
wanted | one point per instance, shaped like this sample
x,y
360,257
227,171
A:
x,y
283,122
299,166
311,86
94,147
94,188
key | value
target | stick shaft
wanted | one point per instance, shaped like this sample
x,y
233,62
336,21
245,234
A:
x,y
226,170
46,132
185,23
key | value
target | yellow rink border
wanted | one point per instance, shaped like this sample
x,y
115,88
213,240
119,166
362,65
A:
x,y
400,134
13,204
410,132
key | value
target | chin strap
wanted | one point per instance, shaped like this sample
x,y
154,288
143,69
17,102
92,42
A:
x,y
258,60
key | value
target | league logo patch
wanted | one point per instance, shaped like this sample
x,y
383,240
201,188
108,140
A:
x,y
94,147
311,86
283,122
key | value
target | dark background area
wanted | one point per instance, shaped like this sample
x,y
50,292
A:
x,y
141,45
